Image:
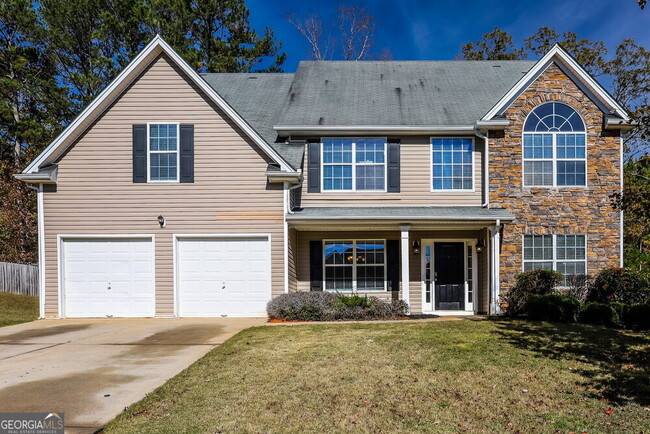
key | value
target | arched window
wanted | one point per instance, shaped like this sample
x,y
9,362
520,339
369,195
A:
x,y
554,147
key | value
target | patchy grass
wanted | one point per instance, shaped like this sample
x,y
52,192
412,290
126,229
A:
x,y
15,308
478,376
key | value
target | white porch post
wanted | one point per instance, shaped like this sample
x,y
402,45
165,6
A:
x,y
495,262
405,249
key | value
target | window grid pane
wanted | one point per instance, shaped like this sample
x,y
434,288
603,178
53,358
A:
x,y
350,165
569,256
163,147
452,164
362,261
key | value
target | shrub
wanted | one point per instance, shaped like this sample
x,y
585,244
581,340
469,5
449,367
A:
x,y
598,314
578,286
553,307
637,317
535,282
619,285
327,306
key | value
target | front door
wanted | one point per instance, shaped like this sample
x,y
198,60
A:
x,y
447,275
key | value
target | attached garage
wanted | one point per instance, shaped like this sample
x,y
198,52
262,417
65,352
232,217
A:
x,y
111,277
223,276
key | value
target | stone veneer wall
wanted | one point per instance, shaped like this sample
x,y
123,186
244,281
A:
x,y
568,210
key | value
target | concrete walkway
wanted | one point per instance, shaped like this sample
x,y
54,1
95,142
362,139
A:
x,y
92,369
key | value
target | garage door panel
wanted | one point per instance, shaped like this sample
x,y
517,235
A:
x,y
223,277
108,277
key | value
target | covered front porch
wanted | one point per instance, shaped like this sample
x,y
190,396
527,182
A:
x,y
451,264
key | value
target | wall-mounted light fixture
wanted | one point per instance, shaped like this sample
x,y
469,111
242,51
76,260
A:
x,y
416,247
479,246
161,221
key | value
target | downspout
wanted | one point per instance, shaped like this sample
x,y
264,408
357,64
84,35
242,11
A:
x,y
41,247
289,190
486,173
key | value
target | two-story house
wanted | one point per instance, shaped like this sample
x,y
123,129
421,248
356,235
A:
x,y
176,194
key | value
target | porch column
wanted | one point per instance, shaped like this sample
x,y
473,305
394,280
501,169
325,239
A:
x,y
405,250
495,261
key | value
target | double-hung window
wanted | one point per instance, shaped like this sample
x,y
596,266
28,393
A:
x,y
163,152
355,265
554,147
452,163
564,253
354,164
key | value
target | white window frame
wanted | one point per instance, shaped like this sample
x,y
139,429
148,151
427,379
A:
x,y
473,164
354,266
554,260
149,152
554,158
354,165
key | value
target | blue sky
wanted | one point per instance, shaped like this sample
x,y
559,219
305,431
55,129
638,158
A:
x,y
435,30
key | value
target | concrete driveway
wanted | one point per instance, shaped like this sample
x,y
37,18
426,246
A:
x,y
92,369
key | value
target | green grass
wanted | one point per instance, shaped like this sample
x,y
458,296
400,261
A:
x,y
477,376
15,308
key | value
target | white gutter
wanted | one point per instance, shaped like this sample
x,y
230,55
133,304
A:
x,y
486,168
375,129
298,218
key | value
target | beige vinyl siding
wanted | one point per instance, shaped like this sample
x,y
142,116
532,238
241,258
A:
x,y
95,193
415,174
292,239
415,261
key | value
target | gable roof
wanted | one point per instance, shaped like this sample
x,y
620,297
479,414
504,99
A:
x,y
594,90
120,83
260,99
397,93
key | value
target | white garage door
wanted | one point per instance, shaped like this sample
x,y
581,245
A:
x,y
108,277
228,276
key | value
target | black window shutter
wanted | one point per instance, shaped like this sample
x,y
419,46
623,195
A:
x,y
313,166
392,256
393,166
139,153
187,153
316,265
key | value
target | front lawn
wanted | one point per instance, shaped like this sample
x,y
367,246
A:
x,y
469,375
15,308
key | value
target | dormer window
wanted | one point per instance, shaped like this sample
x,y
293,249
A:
x,y
554,147
163,152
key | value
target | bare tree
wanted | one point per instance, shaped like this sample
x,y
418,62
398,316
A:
x,y
355,35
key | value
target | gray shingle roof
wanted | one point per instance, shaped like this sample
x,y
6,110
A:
x,y
419,93
260,100
464,213
369,93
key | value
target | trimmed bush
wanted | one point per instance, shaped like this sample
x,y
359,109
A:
x,y
535,282
553,307
621,285
637,317
327,306
598,314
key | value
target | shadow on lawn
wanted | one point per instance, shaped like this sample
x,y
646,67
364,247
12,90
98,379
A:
x,y
618,363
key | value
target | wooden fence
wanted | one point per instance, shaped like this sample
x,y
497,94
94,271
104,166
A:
x,y
18,278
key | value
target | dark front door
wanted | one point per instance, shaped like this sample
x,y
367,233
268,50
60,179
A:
x,y
449,276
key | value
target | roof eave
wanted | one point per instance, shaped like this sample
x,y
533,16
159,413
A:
x,y
323,130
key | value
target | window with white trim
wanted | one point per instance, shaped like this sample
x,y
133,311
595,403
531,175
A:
x,y
355,265
354,164
564,253
452,163
554,147
163,152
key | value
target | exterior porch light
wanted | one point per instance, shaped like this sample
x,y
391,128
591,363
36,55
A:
x,y
416,247
161,221
479,246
